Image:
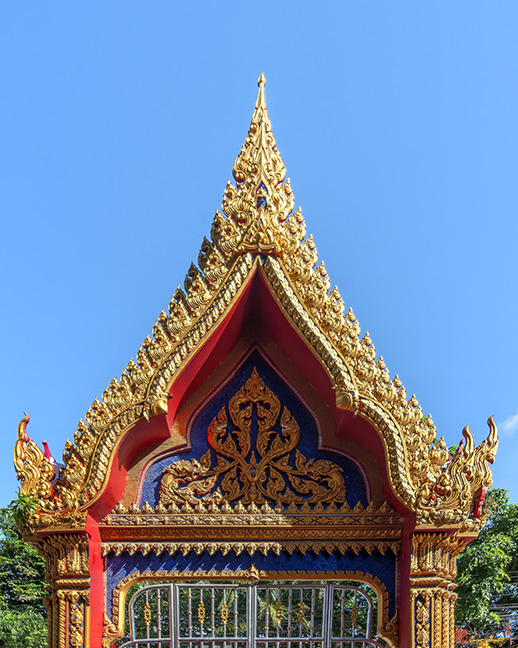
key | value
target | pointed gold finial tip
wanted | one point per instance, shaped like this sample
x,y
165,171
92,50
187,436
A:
x,y
262,80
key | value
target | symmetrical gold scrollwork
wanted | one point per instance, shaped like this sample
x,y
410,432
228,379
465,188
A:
x,y
201,612
242,475
147,613
258,208
77,619
224,613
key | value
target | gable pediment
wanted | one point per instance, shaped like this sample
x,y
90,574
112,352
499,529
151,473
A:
x,y
260,234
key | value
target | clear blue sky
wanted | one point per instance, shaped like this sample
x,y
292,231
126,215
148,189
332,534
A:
x,y
398,125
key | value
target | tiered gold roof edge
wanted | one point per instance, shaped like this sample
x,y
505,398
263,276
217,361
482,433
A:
x,y
260,229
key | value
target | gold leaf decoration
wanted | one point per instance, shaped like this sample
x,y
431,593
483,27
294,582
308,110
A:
x,y
34,470
253,475
258,228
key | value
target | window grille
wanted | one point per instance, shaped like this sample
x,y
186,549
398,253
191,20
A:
x,y
300,615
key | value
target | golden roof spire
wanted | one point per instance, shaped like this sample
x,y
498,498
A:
x,y
261,101
260,203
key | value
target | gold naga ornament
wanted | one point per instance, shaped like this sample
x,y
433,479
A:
x,y
259,231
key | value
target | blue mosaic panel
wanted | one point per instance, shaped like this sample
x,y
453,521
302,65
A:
x,y
355,490
376,564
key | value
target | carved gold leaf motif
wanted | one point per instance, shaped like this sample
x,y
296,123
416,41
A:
x,y
253,475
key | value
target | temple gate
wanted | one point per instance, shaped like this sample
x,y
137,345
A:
x,y
255,477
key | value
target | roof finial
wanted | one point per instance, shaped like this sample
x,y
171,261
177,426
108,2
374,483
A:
x,y
259,164
261,201
261,101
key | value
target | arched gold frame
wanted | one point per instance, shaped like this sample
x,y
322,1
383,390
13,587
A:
x,y
114,627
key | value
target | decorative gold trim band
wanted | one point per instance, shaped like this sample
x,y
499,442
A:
x,y
251,547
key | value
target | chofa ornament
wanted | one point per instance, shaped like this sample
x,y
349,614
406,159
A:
x,y
259,231
241,475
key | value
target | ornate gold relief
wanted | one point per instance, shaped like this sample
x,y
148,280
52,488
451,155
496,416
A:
x,y
243,475
422,621
259,228
434,555
432,571
210,528
258,208
251,547
253,517
452,490
110,632
32,467
433,617
68,576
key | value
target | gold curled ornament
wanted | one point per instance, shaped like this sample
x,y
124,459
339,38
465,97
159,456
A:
x,y
201,612
147,614
253,475
224,613
33,469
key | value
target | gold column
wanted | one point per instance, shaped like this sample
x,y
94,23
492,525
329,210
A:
x,y
432,571
67,603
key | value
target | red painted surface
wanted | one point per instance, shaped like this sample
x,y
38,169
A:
x,y
403,584
96,564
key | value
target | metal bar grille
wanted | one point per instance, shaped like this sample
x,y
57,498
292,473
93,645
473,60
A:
x,y
208,615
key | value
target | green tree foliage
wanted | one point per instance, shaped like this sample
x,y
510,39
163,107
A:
x,y
486,583
23,616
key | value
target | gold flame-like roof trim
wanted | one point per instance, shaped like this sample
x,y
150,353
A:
x,y
259,229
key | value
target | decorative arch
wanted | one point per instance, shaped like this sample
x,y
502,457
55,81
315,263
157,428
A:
x,y
114,629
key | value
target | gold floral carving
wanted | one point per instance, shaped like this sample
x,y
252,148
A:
x,y
434,619
77,619
243,475
68,576
433,560
422,621
259,230
258,208
432,571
